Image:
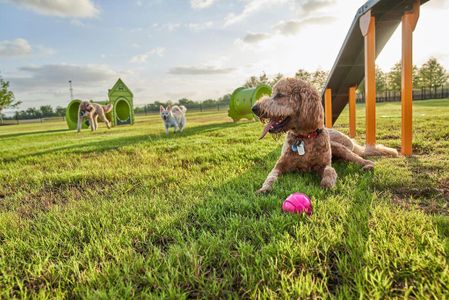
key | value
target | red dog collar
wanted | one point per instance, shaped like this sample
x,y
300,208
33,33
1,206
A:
x,y
310,135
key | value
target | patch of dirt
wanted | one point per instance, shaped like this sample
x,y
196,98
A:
x,y
59,194
429,200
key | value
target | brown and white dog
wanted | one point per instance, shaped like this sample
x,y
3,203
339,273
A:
x,y
295,107
93,111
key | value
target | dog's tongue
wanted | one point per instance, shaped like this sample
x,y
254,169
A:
x,y
267,128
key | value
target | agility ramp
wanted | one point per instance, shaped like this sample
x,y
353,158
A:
x,y
372,27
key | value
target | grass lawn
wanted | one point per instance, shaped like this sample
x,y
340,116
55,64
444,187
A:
x,y
128,212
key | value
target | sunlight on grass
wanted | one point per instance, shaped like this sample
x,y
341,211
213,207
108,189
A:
x,y
129,212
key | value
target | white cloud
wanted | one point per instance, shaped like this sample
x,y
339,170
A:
x,y
17,47
292,27
200,4
253,38
54,73
250,8
199,70
59,8
200,26
143,58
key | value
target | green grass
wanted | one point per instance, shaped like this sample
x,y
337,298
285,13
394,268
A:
x,y
128,212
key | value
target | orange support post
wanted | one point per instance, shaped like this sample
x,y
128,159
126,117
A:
x,y
352,111
368,28
328,107
409,20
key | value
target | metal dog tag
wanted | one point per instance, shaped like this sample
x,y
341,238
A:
x,y
301,150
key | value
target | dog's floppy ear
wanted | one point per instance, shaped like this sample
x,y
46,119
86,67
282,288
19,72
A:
x,y
161,108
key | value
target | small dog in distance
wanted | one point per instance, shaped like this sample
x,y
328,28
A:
x,y
173,116
93,111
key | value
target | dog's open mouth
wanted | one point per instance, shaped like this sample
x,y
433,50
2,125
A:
x,y
274,125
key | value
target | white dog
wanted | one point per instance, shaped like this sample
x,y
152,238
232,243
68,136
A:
x,y
174,117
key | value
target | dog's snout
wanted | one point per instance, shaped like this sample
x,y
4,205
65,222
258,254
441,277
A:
x,y
255,109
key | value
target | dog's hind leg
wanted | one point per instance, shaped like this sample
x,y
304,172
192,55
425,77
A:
x,y
104,119
92,123
340,151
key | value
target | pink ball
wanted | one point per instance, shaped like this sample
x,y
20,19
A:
x,y
297,203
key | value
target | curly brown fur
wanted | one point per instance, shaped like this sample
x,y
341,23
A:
x,y
93,111
295,107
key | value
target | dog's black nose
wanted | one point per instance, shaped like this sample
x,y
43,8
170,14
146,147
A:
x,y
255,109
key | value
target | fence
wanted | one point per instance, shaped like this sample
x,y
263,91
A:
x,y
200,107
18,121
421,94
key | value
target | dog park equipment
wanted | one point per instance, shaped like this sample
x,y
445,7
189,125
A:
x,y
297,203
243,99
372,27
120,96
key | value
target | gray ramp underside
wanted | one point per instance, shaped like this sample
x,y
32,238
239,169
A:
x,y
348,69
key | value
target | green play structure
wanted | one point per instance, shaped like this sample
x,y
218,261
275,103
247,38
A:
x,y
122,112
242,100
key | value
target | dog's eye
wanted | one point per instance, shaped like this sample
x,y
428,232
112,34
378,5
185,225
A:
x,y
278,95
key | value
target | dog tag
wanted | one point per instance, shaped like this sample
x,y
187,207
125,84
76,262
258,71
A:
x,y
301,150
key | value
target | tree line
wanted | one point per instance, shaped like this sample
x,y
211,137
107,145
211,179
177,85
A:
x,y
430,75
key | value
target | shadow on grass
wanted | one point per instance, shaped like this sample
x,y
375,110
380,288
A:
x,y
19,134
115,143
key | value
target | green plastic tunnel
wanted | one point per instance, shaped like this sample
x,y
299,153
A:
x,y
243,99
123,112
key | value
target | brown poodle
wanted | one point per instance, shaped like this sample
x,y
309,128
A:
x,y
295,107
92,111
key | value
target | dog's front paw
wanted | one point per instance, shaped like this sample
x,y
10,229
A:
x,y
328,182
263,190
368,166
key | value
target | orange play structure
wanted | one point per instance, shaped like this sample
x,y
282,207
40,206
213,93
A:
x,y
372,27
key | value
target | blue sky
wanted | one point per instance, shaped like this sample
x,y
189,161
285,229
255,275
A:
x,y
169,49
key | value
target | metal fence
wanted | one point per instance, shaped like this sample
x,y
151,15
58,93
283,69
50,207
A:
x,y
18,121
421,94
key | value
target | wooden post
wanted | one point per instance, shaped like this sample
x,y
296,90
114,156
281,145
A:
x,y
328,107
368,28
409,20
352,107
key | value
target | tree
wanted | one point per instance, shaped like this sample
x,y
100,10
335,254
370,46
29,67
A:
x,y
60,111
46,110
304,75
394,77
254,81
276,78
7,98
432,74
318,79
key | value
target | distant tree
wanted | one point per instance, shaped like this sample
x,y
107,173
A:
x,y
254,81
46,111
304,75
432,74
7,98
394,77
318,79
381,80
60,111
276,78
